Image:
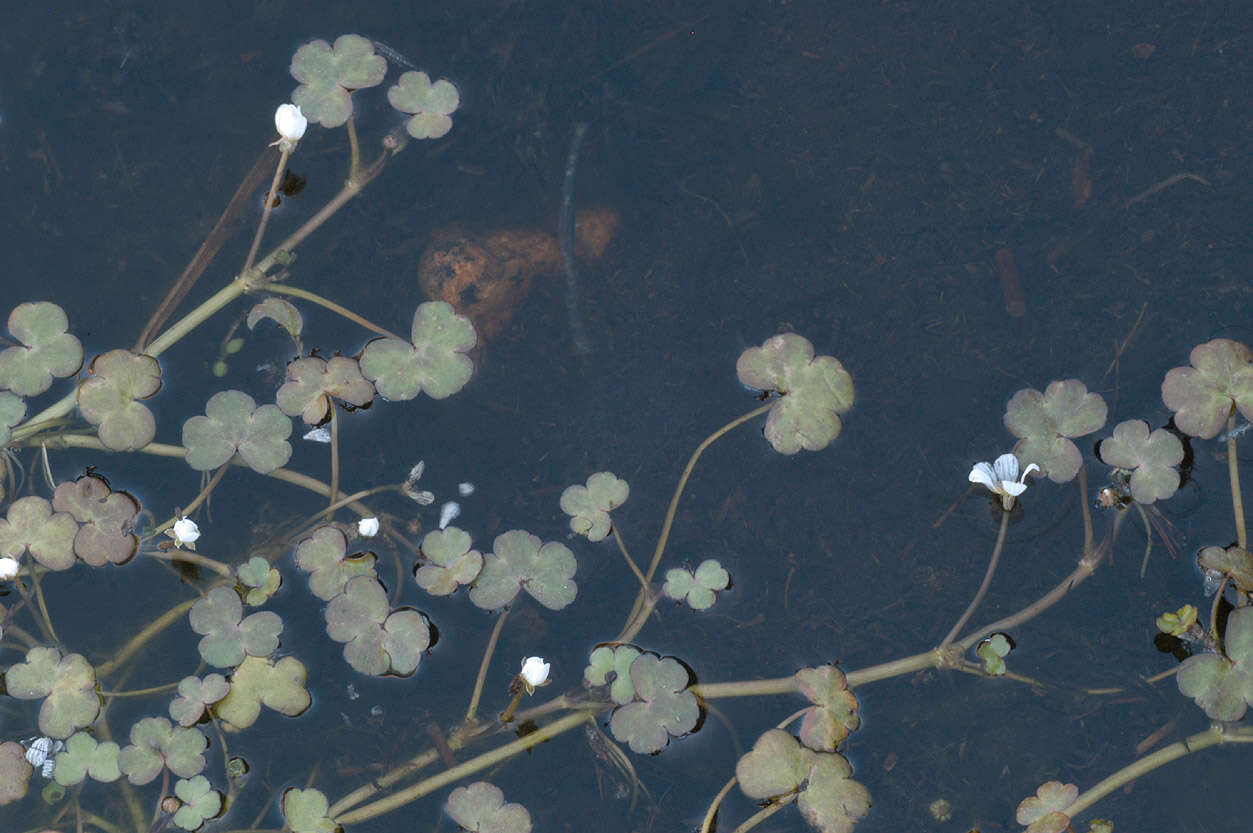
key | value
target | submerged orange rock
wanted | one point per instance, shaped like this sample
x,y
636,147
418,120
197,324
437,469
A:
x,y
486,275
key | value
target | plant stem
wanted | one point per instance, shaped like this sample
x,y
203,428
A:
x,y
285,149
479,681
314,298
449,776
987,581
1233,475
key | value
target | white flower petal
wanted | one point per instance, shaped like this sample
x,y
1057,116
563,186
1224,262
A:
x,y
186,531
9,568
1006,467
982,473
535,670
1013,488
368,527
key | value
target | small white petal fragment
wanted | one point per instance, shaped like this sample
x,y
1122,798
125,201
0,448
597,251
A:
x,y
368,527
9,568
1002,478
318,435
465,489
448,513
535,671
185,533
291,125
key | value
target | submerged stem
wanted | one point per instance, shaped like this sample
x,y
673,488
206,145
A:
x,y
987,581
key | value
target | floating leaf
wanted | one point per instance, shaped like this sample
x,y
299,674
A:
x,y
67,684
1202,395
233,423
281,312
227,638
520,562
84,756
200,802
450,561
431,104
663,706
612,664
589,506
697,588
1178,623
1042,812
258,681
311,382
108,398
376,642
1223,685
832,801
835,711
1151,457
778,765
992,652
305,811
260,580
12,410
194,694
47,350
15,772
815,391
1233,563
107,519
322,555
327,74
1047,422
435,361
156,744
31,525
481,807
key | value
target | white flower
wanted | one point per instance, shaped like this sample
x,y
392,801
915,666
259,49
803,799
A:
x,y
535,672
368,527
185,533
291,124
8,568
1002,478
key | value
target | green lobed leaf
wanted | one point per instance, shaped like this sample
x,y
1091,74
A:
x,y
305,811
109,398
1151,457
663,706
1223,685
431,104
481,806
281,312
450,561
836,711
519,562
434,361
258,681
323,555
1047,422
328,73
12,410
200,802
194,694
258,580
1202,395
612,664
31,525
156,744
83,756
589,506
15,772
47,351
312,382
832,801
107,517
233,423
227,637
814,392
67,685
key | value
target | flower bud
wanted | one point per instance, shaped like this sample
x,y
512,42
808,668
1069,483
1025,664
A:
x,y
535,671
291,123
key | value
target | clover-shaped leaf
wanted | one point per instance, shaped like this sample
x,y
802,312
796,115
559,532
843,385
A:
x,y
283,313
589,506
233,423
663,706
376,643
305,811
15,772
832,801
327,74
31,525
520,562
777,765
431,104
47,351
312,382
992,652
450,561
258,681
481,807
200,802
67,684
1047,422
434,361
1223,685
259,580
697,588
194,694
108,398
324,556
155,743
1043,812
84,756
227,639
12,409
1233,562
815,391
835,711
1151,457
1179,622
612,664
107,517
1220,375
